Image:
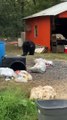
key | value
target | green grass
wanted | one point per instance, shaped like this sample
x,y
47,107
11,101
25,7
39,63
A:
x,y
14,105
13,50
48,56
54,56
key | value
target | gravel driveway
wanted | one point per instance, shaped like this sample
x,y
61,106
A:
x,y
55,75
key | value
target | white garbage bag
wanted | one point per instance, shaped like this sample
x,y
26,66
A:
x,y
7,72
46,62
39,66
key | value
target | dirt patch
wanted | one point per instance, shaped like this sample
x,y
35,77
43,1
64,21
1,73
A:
x,y
55,75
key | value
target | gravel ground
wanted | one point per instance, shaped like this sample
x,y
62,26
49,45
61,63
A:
x,y
55,75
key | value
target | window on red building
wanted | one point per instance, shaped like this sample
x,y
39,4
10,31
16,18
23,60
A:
x,y
35,31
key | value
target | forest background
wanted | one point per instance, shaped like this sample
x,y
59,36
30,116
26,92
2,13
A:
x,y
12,13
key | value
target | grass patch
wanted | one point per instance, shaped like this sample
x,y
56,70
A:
x,y
14,105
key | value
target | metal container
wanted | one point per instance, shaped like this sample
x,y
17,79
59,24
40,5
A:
x,y
52,109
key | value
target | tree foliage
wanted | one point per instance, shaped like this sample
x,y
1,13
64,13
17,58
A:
x,y
12,12
11,17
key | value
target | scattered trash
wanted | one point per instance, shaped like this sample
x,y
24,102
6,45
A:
x,y
22,76
7,72
18,76
41,50
40,65
38,68
46,62
43,92
9,78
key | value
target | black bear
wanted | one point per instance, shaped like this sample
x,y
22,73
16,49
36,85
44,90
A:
x,y
28,47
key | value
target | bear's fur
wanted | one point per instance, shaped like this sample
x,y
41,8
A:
x,y
28,47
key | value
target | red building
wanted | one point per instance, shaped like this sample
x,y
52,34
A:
x,y
39,27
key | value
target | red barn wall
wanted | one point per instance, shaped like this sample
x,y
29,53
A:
x,y
43,24
63,15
